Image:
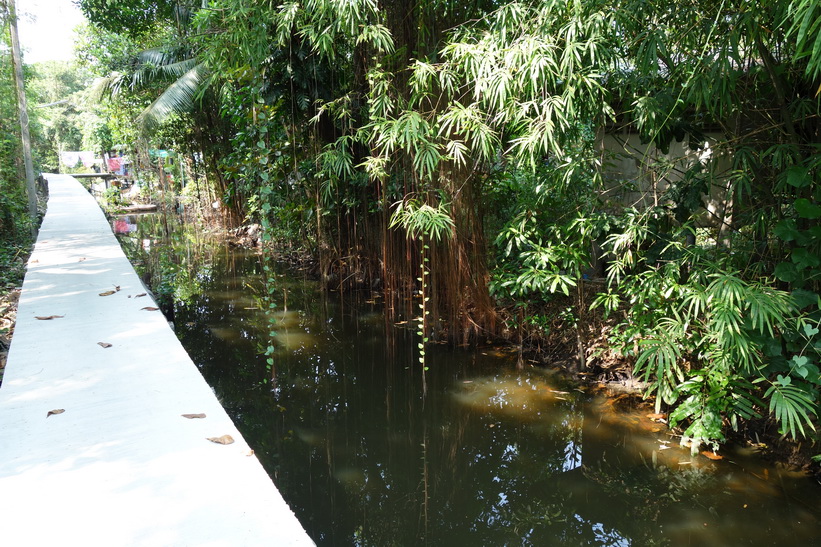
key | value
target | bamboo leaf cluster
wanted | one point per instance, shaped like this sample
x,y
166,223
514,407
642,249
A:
x,y
656,159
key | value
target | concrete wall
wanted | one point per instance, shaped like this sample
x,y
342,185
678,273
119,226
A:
x,y
638,175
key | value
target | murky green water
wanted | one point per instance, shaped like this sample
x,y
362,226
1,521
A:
x,y
489,455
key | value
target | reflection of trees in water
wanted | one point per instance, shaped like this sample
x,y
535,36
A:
x,y
426,468
174,265
486,457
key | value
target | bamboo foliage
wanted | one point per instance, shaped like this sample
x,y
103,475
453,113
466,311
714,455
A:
x,y
492,131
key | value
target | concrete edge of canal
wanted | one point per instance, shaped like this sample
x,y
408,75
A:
x,y
94,449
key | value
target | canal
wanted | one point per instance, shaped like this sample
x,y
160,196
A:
x,y
330,396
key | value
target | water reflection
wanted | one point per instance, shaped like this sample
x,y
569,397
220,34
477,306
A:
x,y
490,456
125,224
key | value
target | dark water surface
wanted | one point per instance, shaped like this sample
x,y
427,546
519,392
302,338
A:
x,y
489,455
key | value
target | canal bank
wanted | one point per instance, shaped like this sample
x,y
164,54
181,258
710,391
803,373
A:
x,y
96,450
329,392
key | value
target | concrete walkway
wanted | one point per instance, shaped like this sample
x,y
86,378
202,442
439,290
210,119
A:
x,y
120,466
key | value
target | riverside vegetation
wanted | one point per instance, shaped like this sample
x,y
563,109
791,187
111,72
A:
x,y
608,181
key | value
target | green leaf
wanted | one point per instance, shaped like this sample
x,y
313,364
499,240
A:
x,y
688,408
786,271
798,177
800,360
805,209
812,374
792,406
804,258
772,347
804,298
786,230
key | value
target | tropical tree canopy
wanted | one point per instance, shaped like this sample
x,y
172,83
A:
x,y
646,169
132,17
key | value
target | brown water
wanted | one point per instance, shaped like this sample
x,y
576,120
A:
x,y
488,455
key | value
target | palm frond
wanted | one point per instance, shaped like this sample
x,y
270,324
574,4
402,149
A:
x,y
158,56
108,86
179,97
792,406
148,73
659,363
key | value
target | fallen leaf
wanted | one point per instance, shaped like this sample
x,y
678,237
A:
x,y
139,295
149,308
104,344
48,317
107,293
711,455
225,439
35,261
657,417
55,412
192,416
251,453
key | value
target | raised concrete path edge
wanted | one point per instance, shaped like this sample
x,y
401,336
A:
x,y
120,466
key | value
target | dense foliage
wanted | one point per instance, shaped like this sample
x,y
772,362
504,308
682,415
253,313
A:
x,y
656,159
12,199
133,17
15,224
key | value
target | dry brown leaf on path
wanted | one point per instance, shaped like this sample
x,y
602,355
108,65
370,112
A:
x,y
48,317
104,344
149,308
139,295
711,455
107,293
55,412
192,416
225,439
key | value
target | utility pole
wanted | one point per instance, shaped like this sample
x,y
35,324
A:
x,y
23,113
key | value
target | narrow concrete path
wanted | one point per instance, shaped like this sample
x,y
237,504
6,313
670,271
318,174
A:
x,y
120,466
